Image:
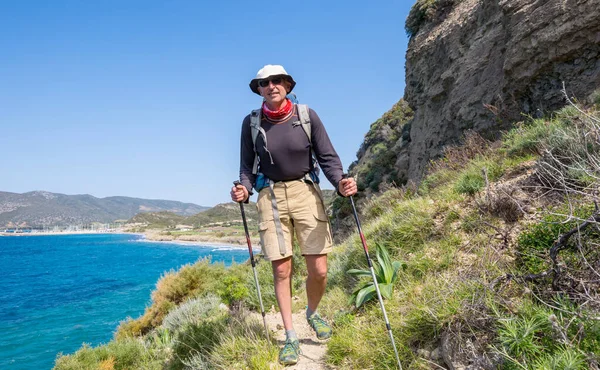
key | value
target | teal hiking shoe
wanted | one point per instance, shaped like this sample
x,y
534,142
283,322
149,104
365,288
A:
x,y
320,326
290,352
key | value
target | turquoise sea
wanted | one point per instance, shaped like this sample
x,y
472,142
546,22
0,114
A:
x,y
58,292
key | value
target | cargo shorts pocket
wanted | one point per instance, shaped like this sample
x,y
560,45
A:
x,y
317,206
320,234
263,231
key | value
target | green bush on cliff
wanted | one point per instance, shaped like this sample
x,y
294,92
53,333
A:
x,y
197,340
424,11
191,312
526,137
473,179
378,154
595,99
534,242
535,338
118,355
242,345
172,289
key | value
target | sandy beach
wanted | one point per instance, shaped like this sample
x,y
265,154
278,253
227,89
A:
x,y
83,232
153,236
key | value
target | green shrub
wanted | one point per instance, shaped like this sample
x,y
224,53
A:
x,y
191,312
451,217
243,345
386,273
472,179
342,206
522,336
424,11
119,355
234,290
382,203
173,288
435,257
435,180
534,243
197,340
563,358
546,336
526,137
378,153
365,345
196,361
405,228
570,158
470,183
595,99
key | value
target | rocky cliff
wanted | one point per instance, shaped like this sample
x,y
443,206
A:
x,y
480,64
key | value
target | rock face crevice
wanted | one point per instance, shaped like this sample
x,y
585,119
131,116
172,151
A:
x,y
488,62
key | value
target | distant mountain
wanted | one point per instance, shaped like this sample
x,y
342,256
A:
x,y
42,208
221,213
224,212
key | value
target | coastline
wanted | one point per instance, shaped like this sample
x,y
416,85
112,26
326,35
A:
x,y
199,239
151,236
46,233
201,244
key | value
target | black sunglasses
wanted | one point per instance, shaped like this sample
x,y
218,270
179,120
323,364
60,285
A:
x,y
265,82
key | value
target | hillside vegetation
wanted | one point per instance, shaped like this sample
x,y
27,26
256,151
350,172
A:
x,y
45,209
220,224
500,269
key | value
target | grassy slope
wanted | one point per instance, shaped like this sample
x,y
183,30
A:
x,y
456,235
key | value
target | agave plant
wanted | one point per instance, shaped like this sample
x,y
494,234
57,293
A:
x,y
386,272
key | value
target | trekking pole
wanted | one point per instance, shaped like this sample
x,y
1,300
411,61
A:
x,y
364,243
262,308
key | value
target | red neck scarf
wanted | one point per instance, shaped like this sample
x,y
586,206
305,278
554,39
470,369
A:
x,y
276,115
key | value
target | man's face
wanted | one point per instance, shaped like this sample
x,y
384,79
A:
x,y
273,90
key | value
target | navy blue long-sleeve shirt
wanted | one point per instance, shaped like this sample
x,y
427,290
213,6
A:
x,y
290,151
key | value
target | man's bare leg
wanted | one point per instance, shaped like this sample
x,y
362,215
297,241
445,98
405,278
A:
x,y
282,270
317,279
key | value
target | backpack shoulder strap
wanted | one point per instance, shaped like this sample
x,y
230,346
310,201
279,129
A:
x,y
256,129
304,121
255,117
304,118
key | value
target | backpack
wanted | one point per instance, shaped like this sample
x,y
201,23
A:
x,y
304,120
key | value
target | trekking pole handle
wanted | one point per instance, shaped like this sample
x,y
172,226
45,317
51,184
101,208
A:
x,y
344,177
236,183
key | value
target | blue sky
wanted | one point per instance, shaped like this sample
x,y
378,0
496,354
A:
x,y
146,98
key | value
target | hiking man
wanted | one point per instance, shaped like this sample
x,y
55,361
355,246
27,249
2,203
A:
x,y
280,144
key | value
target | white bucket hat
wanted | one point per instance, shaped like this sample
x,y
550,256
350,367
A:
x,y
267,71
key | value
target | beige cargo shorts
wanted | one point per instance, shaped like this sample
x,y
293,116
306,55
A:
x,y
301,212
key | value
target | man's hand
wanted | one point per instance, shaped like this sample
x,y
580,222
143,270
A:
x,y
347,187
239,193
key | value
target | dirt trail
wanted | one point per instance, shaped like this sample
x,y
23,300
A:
x,y
313,350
